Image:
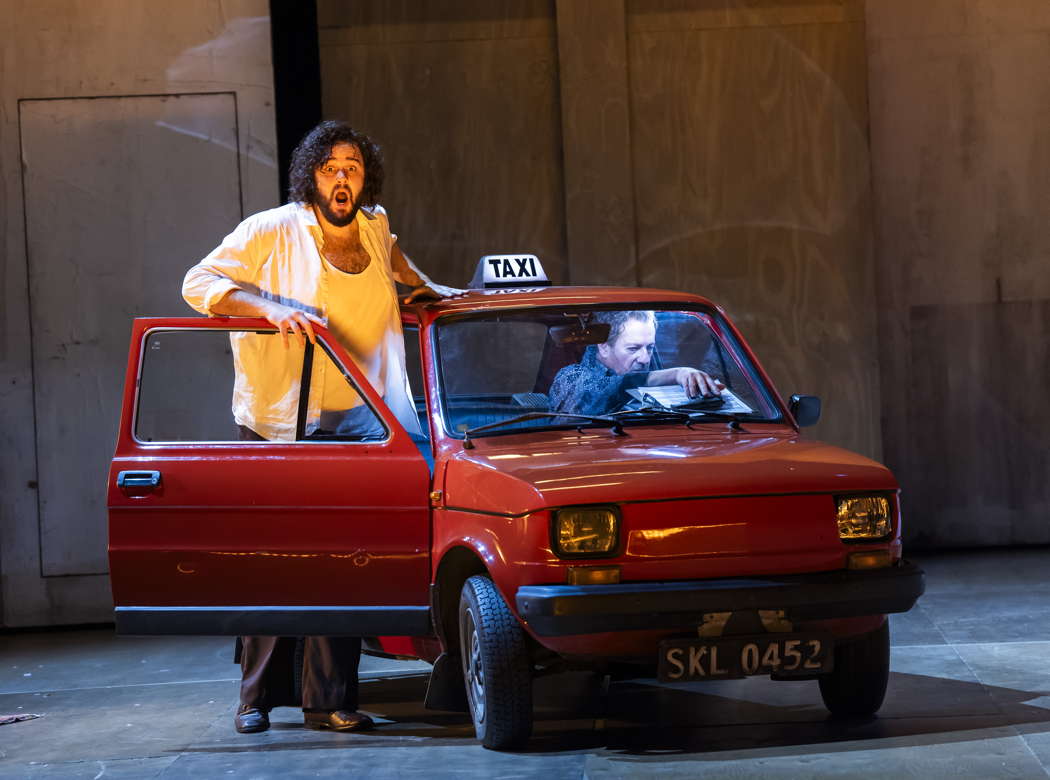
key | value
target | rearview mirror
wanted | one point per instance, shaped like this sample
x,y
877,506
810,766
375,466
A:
x,y
805,409
590,333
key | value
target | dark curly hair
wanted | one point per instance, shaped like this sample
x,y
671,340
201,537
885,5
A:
x,y
316,147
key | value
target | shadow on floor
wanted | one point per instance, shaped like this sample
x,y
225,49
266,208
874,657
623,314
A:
x,y
646,718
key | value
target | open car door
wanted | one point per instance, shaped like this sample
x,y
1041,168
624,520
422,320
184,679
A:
x,y
212,534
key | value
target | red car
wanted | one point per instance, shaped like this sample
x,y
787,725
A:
x,y
505,537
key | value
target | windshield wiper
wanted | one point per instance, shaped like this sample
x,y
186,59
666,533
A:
x,y
652,413
733,418
616,425
657,411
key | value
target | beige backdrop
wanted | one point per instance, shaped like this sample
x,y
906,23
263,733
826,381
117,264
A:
x,y
133,136
960,110
861,185
716,147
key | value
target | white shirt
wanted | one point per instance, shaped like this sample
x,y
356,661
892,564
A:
x,y
279,250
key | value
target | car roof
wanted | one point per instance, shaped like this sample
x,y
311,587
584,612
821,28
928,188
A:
x,y
527,297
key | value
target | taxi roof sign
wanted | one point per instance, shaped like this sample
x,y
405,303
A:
x,y
509,271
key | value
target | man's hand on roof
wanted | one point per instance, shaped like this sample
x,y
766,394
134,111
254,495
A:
x,y
433,291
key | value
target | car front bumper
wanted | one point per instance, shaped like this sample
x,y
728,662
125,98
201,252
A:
x,y
564,610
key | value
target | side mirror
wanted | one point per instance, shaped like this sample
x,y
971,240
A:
x,y
805,409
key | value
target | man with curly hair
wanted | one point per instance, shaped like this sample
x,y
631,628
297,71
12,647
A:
x,y
328,258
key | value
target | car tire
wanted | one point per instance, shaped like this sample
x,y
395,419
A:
x,y
496,668
857,684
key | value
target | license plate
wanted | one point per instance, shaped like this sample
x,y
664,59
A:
x,y
732,657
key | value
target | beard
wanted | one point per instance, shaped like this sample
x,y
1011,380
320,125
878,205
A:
x,y
325,207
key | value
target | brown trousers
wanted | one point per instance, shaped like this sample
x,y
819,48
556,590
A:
x,y
329,672
268,664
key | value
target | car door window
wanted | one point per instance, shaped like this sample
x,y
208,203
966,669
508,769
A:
x,y
338,411
187,390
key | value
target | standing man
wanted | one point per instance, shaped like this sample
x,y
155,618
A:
x,y
325,258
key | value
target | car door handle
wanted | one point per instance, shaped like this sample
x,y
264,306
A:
x,y
138,479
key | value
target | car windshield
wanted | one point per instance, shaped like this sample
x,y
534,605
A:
x,y
569,367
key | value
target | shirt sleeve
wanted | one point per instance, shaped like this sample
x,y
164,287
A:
x,y
634,380
232,264
562,389
384,219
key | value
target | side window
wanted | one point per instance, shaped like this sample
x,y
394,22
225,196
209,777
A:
x,y
414,366
222,386
186,387
414,369
337,411
686,339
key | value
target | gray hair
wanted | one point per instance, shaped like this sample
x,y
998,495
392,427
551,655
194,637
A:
x,y
617,320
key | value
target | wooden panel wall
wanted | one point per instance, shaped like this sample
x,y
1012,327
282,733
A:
x,y
960,109
463,96
64,285
977,423
716,146
596,137
752,182
188,142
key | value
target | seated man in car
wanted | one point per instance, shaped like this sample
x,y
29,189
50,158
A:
x,y
598,384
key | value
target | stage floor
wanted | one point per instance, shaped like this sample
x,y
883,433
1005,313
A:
x,y
969,697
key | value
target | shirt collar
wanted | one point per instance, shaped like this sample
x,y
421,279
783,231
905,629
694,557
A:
x,y
591,363
307,216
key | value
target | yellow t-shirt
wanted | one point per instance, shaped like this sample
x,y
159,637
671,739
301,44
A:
x,y
366,320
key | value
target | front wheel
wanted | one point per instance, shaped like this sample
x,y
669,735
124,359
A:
x,y
857,684
496,666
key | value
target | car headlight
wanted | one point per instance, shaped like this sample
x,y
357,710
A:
x,y
584,532
863,517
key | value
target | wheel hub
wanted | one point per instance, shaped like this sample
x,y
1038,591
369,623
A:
x,y
475,672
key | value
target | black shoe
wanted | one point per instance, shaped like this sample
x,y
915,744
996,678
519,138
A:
x,y
250,720
338,720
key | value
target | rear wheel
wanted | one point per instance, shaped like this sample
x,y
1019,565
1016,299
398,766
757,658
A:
x,y
496,667
857,684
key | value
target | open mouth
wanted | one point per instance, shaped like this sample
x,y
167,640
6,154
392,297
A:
x,y
342,198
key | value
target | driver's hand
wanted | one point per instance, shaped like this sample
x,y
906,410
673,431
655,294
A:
x,y
696,382
433,291
289,320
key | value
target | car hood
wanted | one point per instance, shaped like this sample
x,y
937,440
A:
x,y
523,473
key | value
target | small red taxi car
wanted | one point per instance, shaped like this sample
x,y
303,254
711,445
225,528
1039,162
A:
x,y
694,539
